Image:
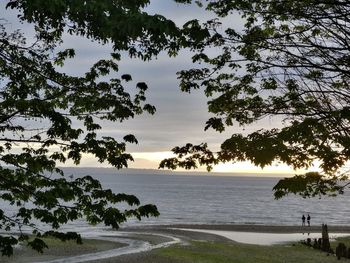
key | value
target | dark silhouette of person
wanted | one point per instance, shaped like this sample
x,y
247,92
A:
x,y
303,220
308,219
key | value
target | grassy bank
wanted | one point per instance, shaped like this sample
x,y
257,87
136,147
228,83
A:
x,y
230,252
222,252
58,249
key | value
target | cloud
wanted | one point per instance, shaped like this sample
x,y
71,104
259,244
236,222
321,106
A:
x,y
180,117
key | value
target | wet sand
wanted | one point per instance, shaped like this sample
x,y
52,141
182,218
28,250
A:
x,y
259,228
181,232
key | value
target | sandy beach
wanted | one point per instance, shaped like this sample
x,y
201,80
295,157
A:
x,y
257,228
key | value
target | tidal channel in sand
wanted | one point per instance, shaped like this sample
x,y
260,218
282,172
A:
x,y
133,246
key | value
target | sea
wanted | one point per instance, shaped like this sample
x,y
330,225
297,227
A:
x,y
212,199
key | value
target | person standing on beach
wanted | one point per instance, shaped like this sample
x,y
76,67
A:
x,y
303,220
308,219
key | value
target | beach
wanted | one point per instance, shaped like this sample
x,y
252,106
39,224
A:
x,y
190,236
156,236
245,228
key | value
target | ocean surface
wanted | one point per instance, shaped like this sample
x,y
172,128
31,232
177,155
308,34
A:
x,y
194,199
224,200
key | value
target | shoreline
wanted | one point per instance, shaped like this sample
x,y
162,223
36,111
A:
x,y
283,229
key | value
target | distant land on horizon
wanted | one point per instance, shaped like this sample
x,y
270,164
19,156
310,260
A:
x,y
135,171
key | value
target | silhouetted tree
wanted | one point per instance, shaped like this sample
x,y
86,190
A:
x,y
48,117
289,62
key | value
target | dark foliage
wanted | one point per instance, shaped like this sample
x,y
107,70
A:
x,y
289,62
48,117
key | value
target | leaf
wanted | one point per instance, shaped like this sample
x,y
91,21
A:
x,y
38,245
126,77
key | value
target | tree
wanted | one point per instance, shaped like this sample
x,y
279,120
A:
x,y
48,117
291,63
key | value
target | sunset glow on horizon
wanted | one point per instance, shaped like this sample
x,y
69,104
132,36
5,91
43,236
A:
x,y
151,160
239,167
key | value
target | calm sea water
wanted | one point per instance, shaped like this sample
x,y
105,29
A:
x,y
218,200
225,199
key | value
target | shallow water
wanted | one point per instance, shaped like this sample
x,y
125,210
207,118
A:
x,y
264,238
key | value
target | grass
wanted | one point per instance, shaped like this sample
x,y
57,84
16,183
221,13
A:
x,y
58,249
222,252
345,240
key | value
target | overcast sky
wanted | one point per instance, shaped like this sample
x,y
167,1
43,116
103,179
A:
x,y
180,117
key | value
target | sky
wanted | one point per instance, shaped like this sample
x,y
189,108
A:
x,y
180,117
